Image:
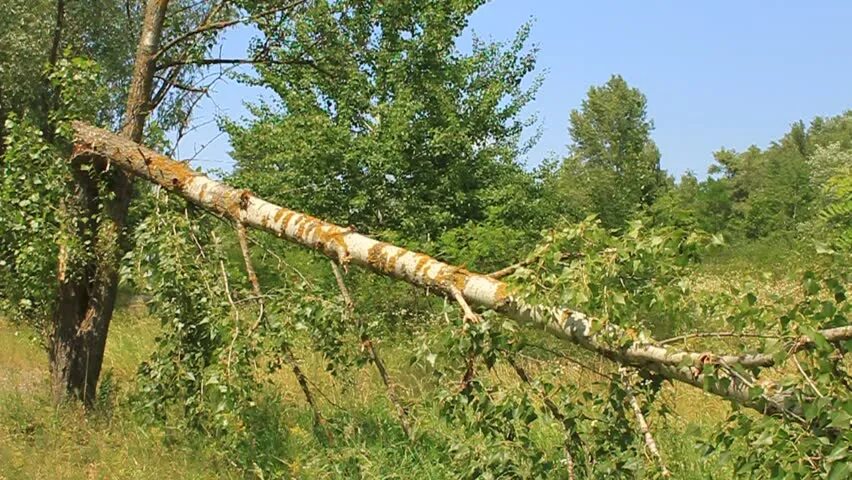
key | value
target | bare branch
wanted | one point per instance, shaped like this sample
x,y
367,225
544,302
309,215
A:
x,y
370,346
470,318
289,357
252,275
207,26
234,61
180,86
505,272
807,378
650,443
236,318
690,336
175,73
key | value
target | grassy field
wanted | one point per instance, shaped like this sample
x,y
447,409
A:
x,y
39,441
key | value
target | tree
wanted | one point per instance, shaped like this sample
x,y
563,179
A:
x,y
770,190
831,177
79,67
611,136
631,281
382,122
88,288
70,221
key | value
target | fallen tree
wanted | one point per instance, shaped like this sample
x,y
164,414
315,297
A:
x,y
720,374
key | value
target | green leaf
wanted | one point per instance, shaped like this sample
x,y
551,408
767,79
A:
x,y
818,339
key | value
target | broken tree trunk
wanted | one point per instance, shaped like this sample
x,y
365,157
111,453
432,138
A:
x,y
347,246
88,286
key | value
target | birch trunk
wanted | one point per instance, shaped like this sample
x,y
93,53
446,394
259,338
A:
x,y
346,246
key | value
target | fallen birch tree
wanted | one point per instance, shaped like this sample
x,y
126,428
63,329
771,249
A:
x,y
346,246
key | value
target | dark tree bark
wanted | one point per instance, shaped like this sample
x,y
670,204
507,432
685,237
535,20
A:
x,y
88,286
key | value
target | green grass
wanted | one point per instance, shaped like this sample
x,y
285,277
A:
x,y
39,441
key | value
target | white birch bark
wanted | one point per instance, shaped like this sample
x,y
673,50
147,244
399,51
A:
x,y
347,246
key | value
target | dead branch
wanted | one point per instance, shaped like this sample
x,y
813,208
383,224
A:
x,y
234,61
373,353
236,311
470,318
289,357
650,443
505,272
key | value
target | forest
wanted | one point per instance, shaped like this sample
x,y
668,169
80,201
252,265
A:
x,y
382,286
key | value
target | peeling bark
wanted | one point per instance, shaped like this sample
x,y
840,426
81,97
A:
x,y
87,290
346,246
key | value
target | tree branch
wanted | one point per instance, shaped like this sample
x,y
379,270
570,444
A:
x,y
505,272
207,26
289,357
373,352
470,318
234,61
650,443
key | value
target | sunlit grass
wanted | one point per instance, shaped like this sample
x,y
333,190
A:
x,y
39,441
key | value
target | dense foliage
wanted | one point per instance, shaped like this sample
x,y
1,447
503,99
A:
x,y
381,122
793,187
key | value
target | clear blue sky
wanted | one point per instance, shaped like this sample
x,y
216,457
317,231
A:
x,y
723,73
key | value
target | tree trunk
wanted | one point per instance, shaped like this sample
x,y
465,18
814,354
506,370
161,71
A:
x,y
88,287
347,246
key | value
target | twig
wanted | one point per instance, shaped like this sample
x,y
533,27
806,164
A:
x,y
171,80
571,360
807,378
207,26
470,318
259,60
289,357
683,338
280,260
367,342
557,414
505,272
181,86
832,335
252,275
236,318
643,425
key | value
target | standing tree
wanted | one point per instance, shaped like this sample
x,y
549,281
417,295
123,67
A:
x,y
382,122
88,287
80,68
611,136
68,220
